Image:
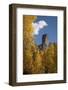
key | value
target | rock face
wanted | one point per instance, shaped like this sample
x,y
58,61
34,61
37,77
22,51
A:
x,y
45,42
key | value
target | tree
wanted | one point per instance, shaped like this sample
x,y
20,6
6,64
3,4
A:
x,y
28,43
50,57
37,64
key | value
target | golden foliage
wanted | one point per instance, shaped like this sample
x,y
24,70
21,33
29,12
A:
x,y
50,57
28,43
37,64
37,61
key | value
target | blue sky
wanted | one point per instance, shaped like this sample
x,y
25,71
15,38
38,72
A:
x,y
50,29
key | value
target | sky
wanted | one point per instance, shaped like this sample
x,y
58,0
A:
x,y
45,25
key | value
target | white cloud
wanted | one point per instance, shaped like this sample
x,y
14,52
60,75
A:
x,y
38,26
